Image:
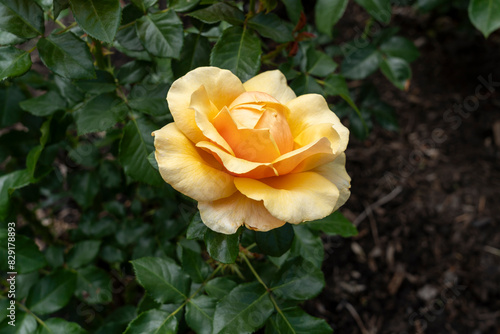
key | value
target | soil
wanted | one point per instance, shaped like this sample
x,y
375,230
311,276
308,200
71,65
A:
x,y
426,199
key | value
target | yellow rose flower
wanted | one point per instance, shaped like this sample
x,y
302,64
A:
x,y
252,153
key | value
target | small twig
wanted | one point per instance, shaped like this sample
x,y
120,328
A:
x,y
387,198
373,226
356,317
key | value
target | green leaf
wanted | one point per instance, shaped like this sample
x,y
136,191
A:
x,y
361,63
117,322
308,245
328,12
222,247
98,18
319,64
103,83
334,224
54,256
379,9
13,62
163,279
239,51
153,322
195,53
24,324
23,18
219,11
8,183
275,242
293,9
93,285
200,314
132,72
182,5
397,70
400,47
84,187
335,84
219,287
296,321
6,38
243,310
28,256
52,292
100,113
135,146
59,6
24,282
485,15
66,55
298,279
192,262
144,4
44,105
10,112
305,84
196,228
161,34
83,253
60,326
271,26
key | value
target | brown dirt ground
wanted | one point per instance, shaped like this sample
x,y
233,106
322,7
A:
x,y
427,199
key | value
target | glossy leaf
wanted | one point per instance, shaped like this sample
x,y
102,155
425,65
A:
x,y
100,113
135,146
84,187
319,63
52,292
98,18
117,322
296,321
161,34
200,314
162,278
305,84
104,82
361,63
219,287
93,285
83,253
397,70
44,105
66,55
144,4
220,11
275,242
7,38
8,183
182,5
195,53
379,9
59,6
13,62
23,18
24,324
335,84
298,279
400,47
28,256
192,262
327,13
293,9
196,228
271,26
485,15
222,247
243,310
153,322
307,245
335,224
60,326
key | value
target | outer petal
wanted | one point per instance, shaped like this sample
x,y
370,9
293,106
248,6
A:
x,y
188,169
293,198
222,88
273,83
336,173
237,166
227,214
310,109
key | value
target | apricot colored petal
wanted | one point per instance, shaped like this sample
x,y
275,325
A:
x,y
273,83
189,170
293,198
237,166
222,88
336,173
310,109
306,157
274,119
226,215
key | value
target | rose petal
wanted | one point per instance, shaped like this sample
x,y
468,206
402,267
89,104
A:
x,y
274,119
336,173
310,109
255,145
293,198
228,214
237,166
189,170
222,88
273,83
